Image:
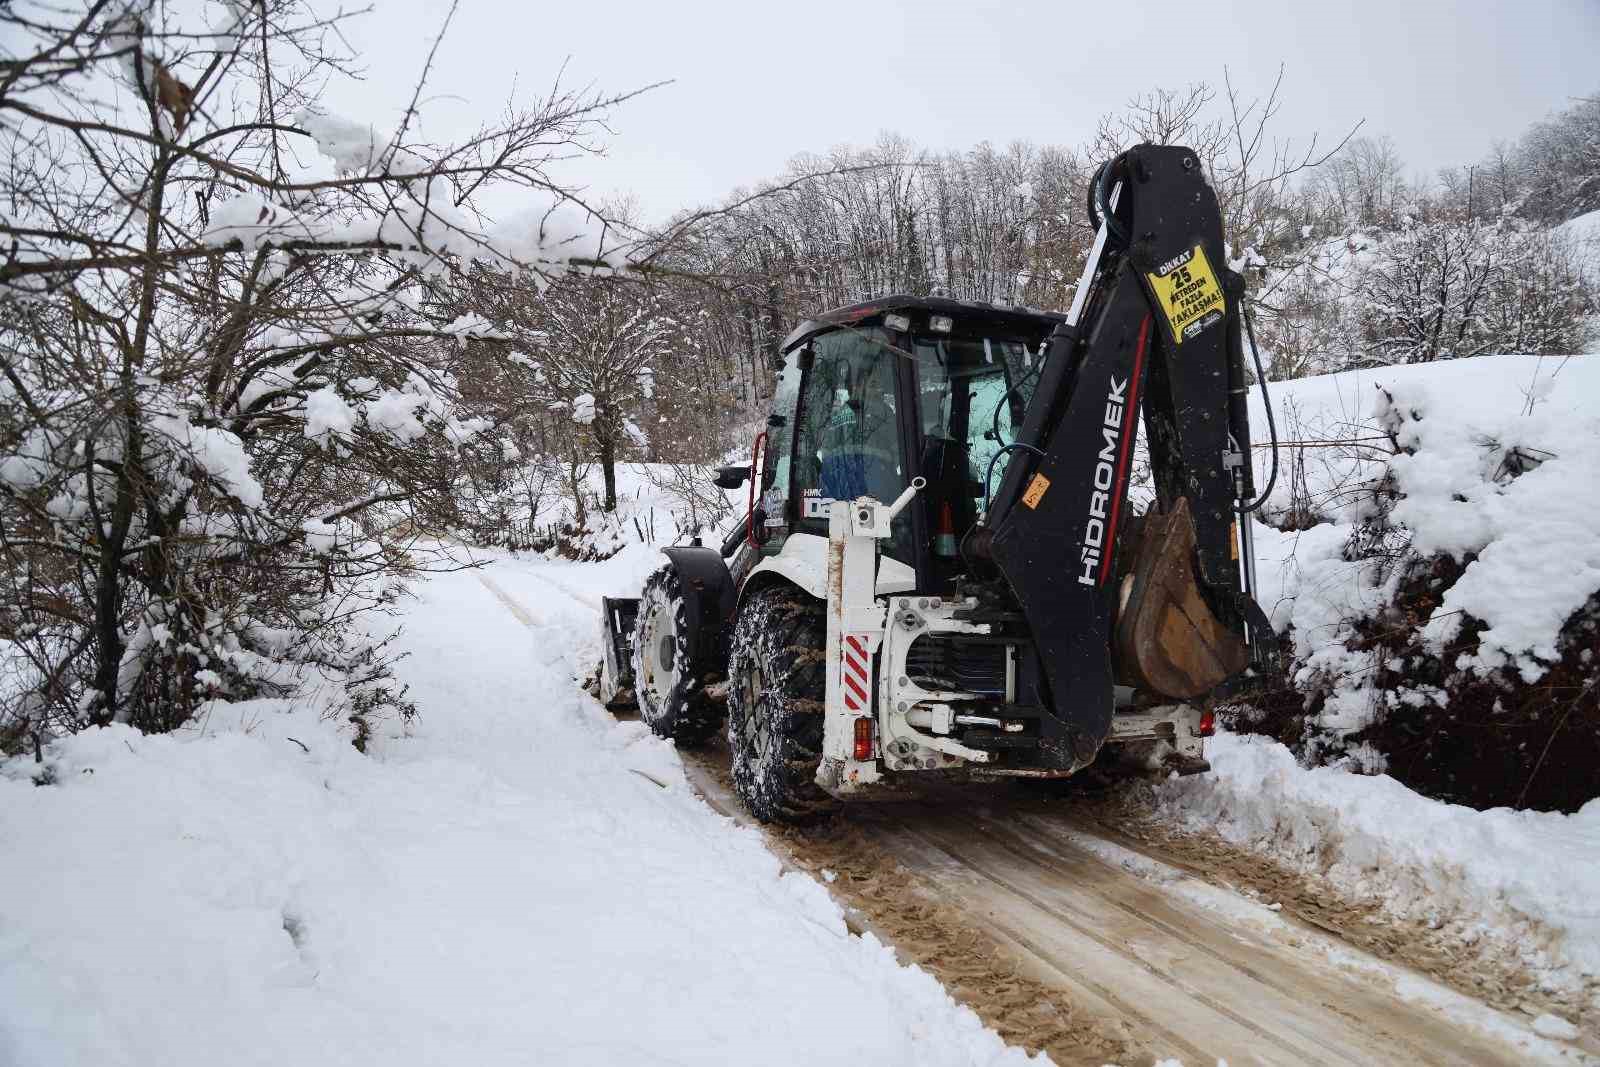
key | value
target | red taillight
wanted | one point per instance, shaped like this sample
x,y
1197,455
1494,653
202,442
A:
x,y
863,749
1208,723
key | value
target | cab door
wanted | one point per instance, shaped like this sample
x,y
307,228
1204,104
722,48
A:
x,y
848,438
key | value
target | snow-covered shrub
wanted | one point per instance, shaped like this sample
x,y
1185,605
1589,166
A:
x,y
1447,616
228,403
1434,287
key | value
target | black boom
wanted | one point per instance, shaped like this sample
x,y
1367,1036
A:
x,y
1158,334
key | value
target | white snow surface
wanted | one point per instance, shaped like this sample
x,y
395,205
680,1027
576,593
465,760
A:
x,y
328,414
583,409
1583,230
493,886
1526,879
216,451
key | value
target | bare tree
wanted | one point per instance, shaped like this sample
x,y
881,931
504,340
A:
x,y
229,370
1449,288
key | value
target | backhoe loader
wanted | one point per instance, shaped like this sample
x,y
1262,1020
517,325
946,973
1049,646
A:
x,y
938,575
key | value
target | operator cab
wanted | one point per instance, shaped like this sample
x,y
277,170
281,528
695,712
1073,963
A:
x,y
875,394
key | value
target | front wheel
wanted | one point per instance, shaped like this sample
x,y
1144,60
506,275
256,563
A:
x,y
776,693
666,679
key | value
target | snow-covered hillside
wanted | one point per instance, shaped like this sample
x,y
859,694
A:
x,y
1585,230
498,886
1518,885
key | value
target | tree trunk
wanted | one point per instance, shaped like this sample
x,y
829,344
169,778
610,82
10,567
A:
x,y
606,446
575,485
108,578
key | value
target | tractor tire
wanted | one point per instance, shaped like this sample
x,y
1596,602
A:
x,y
776,692
667,681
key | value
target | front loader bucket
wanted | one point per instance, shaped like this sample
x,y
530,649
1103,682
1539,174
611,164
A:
x,y
1166,638
615,679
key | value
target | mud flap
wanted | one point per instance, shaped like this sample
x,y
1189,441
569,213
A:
x,y
1166,638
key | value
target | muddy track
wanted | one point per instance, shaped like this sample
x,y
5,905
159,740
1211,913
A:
x,y
1452,953
1067,940
1074,925
1007,991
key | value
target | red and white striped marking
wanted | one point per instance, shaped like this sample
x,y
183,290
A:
x,y
857,672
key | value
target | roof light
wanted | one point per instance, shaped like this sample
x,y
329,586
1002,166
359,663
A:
x,y
896,321
941,323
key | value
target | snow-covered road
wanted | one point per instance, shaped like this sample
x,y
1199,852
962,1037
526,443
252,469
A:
x,y
497,888
507,882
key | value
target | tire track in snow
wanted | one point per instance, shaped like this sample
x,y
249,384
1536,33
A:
x,y
518,612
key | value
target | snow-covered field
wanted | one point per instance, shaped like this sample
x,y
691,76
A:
x,y
497,887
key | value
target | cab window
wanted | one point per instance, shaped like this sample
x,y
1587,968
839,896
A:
x,y
847,440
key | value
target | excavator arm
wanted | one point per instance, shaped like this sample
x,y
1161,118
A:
x,y
1161,602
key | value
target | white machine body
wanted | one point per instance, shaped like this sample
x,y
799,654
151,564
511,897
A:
x,y
878,720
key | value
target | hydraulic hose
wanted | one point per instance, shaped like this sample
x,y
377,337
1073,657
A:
x,y
1272,425
1038,365
989,474
1099,206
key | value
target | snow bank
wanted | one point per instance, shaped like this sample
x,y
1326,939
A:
x,y
1583,231
1524,878
1499,472
1468,426
1342,408
1533,533
499,887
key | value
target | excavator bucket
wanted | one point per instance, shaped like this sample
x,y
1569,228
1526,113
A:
x,y
1166,639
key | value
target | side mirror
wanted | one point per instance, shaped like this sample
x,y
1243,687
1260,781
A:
x,y
731,477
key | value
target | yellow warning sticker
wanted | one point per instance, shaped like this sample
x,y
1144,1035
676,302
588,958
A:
x,y
1187,290
1035,491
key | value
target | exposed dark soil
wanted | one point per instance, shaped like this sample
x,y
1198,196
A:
x,y
1484,740
1497,740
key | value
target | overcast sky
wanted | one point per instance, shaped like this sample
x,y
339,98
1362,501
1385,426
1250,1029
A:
x,y
755,83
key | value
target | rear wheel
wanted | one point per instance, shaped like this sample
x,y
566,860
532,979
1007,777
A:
x,y
667,680
776,691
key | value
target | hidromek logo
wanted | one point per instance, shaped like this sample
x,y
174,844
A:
x,y
1105,472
